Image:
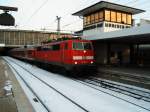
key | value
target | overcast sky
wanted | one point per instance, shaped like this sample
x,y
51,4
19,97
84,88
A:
x,y
39,14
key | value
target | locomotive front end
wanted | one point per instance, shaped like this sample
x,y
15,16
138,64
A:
x,y
83,56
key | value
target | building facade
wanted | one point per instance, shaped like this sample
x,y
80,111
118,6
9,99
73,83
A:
x,y
115,38
105,17
18,38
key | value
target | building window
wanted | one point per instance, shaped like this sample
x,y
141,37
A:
x,y
96,17
124,18
107,15
109,25
92,18
101,16
84,21
113,25
117,26
88,20
129,19
120,26
113,16
118,17
106,24
100,25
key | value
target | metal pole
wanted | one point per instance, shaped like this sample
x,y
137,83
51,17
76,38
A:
x,y
58,26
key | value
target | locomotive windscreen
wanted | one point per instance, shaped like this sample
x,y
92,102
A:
x,y
82,46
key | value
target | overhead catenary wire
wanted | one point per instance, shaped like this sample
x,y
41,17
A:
x,y
66,25
37,10
86,2
133,1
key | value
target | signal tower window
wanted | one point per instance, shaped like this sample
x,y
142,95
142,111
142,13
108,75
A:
x,y
113,16
113,25
118,17
92,18
96,17
117,26
129,19
124,18
101,16
84,21
107,15
109,25
88,20
106,25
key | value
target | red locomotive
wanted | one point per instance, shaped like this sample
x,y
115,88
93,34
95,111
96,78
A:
x,y
73,55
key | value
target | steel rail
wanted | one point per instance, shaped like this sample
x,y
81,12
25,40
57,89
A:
x,y
87,84
113,86
52,87
28,86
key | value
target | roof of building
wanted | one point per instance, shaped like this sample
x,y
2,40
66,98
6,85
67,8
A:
x,y
33,31
109,5
134,32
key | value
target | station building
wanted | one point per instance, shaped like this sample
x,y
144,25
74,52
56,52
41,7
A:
x,y
116,40
12,38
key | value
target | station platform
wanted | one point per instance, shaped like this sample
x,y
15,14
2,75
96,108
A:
x,y
16,100
138,76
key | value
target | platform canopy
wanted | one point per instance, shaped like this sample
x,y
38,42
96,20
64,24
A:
x,y
107,5
140,34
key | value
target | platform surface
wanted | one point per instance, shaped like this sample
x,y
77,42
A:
x,y
18,101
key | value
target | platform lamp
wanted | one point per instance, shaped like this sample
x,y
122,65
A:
x,y
7,19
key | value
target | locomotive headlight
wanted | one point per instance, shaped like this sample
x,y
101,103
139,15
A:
x,y
75,62
84,51
92,62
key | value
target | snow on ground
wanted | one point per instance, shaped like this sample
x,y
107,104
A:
x,y
37,106
53,101
89,98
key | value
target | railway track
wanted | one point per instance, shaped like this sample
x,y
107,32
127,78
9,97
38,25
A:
x,y
133,92
44,82
98,84
143,81
36,99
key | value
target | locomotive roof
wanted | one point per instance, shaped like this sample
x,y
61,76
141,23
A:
x,y
58,42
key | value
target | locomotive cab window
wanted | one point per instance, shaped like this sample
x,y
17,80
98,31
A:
x,y
56,47
82,46
77,46
87,46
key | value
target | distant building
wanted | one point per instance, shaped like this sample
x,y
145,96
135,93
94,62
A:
x,y
18,38
105,17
